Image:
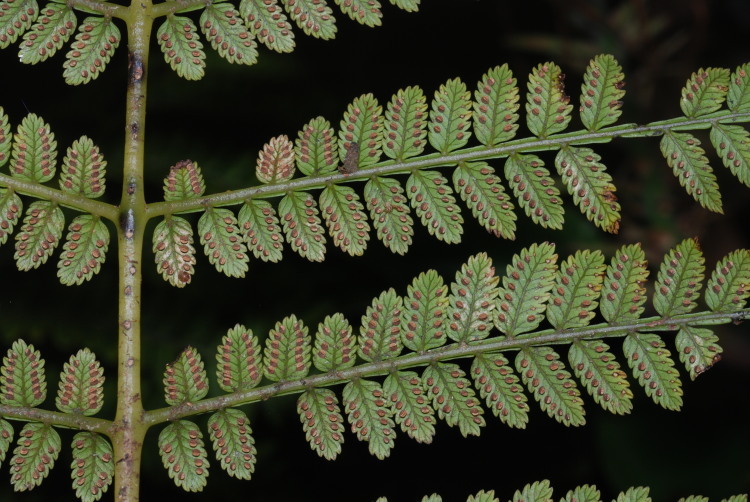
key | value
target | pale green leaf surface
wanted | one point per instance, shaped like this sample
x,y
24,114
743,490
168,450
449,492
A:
x,y
335,348
34,456
316,148
575,295
22,380
183,454
390,214
16,16
314,17
83,170
601,92
184,181
472,300
173,250
535,190
287,351
380,331
450,117
433,201
405,124
94,45
634,494
275,162
6,437
680,279
654,369
268,24
39,235
732,143
260,229
80,387
690,166
407,5
698,348
704,92
624,291
84,250
362,125
738,97
366,12
239,363
547,106
182,49
370,416
411,408
6,137
584,493
322,422
483,496
54,26
185,379
93,466
34,153
223,28
345,217
222,242
538,491
482,191
596,367
729,285
233,443
302,226
10,211
425,313
453,397
501,389
496,106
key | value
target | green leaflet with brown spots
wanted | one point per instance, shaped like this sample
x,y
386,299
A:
x,y
405,127
574,296
370,416
366,12
496,106
680,279
34,153
346,219
182,49
585,493
95,43
10,211
222,242
425,313
738,96
732,143
83,169
84,251
380,331
80,387
601,92
538,491
233,443
535,190
624,290
689,164
184,455
268,24
598,370
410,404
704,92
322,422
34,456
22,380
185,379
482,191
698,348
389,213
654,369
729,285
362,125
53,28
222,25
275,162
93,466
433,201
450,117
316,148
453,397
302,226
260,229
287,351
184,181
16,16
6,437
173,250
239,361
314,17
500,388
39,235
547,106
6,137
472,300
335,347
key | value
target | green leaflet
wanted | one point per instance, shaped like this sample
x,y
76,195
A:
x,y
95,43
679,280
182,49
526,288
591,186
268,24
314,17
233,443
693,498
6,137
184,455
484,194
596,367
6,436
362,125
738,97
93,466
40,233
472,300
698,349
345,217
287,351
316,149
496,106
302,226
546,377
222,241
425,313
260,229
453,397
84,250
411,409
634,494
185,379
654,369
547,106
53,28
732,143
34,153
601,92
405,124
535,190
585,493
690,165
624,291
335,347
380,331
370,416
407,5
736,498
433,201
450,117
390,214
483,496
322,422
173,250
276,161
538,491
16,16
10,211
34,456
365,12
22,381
239,364
184,181
223,27
705,92
83,169
501,389
729,285
577,288
80,387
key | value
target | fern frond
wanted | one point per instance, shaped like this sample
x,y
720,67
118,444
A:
x,y
16,16
380,333
425,313
704,92
729,285
390,214
322,422
10,211
411,408
183,51
535,190
34,154
22,380
433,201
184,455
302,225
84,251
738,96
6,137
239,360
690,165
80,389
222,242
223,27
174,251
453,397
185,379
370,416
316,149
585,493
184,181
576,291
93,466
600,373
362,125
472,300
732,143
54,27
233,443
698,349
680,279
654,369
624,291
405,124
6,437
95,43
276,161
482,191
83,169
314,17
335,347
634,494
365,12
547,106
501,389
538,491
40,234
287,351
34,456
450,117
601,92
496,106
268,24
260,229
345,217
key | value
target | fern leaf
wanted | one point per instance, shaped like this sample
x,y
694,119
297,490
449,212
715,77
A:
x,y
407,5
552,385
370,416
680,278
390,214
585,493
634,494
380,332
590,185
732,143
10,212
433,201
698,348
84,250
729,285
239,364
83,169
183,51
425,313
596,367
405,124
450,117
693,498
184,181
93,466
432,498
316,149
472,300
223,27
40,233
535,190
95,43
345,217
314,17
302,226
335,347
738,97
411,408
80,388
16,16
362,125
287,351
496,107
322,422
261,231
6,137
538,491
365,12
185,379
576,291
54,26
34,153
483,496
276,161
184,455
268,24
624,290
453,397
705,92
501,389
526,288
602,92
690,165
222,242
654,369
22,381
736,498
548,107
34,456
174,251
484,194
233,443
6,437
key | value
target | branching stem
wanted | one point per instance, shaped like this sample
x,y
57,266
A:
x,y
57,418
104,8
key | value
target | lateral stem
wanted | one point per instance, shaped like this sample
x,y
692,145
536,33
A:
x,y
57,418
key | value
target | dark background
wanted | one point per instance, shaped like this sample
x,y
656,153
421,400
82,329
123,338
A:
x,y
223,120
